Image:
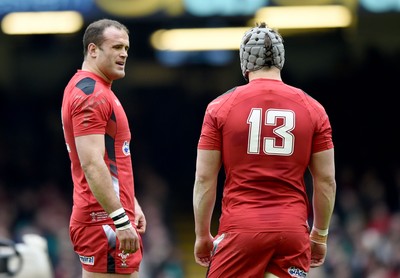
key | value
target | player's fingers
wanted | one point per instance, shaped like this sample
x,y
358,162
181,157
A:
x,y
121,245
131,246
136,245
128,246
125,246
203,261
141,226
141,229
316,263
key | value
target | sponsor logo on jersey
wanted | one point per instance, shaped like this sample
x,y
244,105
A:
x,y
98,216
87,260
296,272
125,148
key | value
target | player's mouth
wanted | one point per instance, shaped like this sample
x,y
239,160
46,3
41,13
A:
x,y
121,64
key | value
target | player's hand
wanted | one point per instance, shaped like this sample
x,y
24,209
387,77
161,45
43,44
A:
x,y
128,240
318,248
203,248
140,220
318,254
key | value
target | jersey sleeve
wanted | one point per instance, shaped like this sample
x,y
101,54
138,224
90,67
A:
x,y
323,134
214,120
211,136
90,114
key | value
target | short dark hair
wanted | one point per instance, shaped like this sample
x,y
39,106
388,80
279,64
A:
x,y
94,32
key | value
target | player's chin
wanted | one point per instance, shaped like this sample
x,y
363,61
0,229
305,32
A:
x,y
118,74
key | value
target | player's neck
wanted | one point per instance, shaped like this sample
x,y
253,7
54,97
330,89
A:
x,y
271,73
87,66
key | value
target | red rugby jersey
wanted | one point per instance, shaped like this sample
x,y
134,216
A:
x,y
266,131
90,107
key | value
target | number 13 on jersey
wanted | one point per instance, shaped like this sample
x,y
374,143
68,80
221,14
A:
x,y
281,130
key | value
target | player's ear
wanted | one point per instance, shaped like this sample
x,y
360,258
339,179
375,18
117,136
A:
x,y
92,50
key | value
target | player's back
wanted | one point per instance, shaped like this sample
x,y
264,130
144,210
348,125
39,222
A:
x,y
269,131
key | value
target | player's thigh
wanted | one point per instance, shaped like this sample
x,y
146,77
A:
x,y
270,275
292,256
86,274
238,254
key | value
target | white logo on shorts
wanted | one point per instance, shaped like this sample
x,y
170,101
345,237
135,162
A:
x,y
296,272
87,260
124,257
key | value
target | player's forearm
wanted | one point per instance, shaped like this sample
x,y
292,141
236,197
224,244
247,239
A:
x,y
100,183
323,203
203,205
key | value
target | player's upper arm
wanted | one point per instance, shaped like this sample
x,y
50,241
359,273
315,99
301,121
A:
x,y
90,148
322,166
208,164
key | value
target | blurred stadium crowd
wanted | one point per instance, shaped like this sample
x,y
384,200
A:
x,y
364,239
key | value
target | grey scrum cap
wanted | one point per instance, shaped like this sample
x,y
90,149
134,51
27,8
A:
x,y
261,46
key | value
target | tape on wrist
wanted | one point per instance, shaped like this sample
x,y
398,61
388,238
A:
x,y
124,226
321,232
116,213
121,220
317,238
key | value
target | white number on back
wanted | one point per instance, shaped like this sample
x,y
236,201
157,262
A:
x,y
281,130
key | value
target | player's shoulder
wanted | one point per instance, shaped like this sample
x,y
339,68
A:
x,y
307,98
313,101
84,83
85,87
223,97
313,105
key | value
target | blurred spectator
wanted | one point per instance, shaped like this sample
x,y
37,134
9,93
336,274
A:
x,y
161,257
